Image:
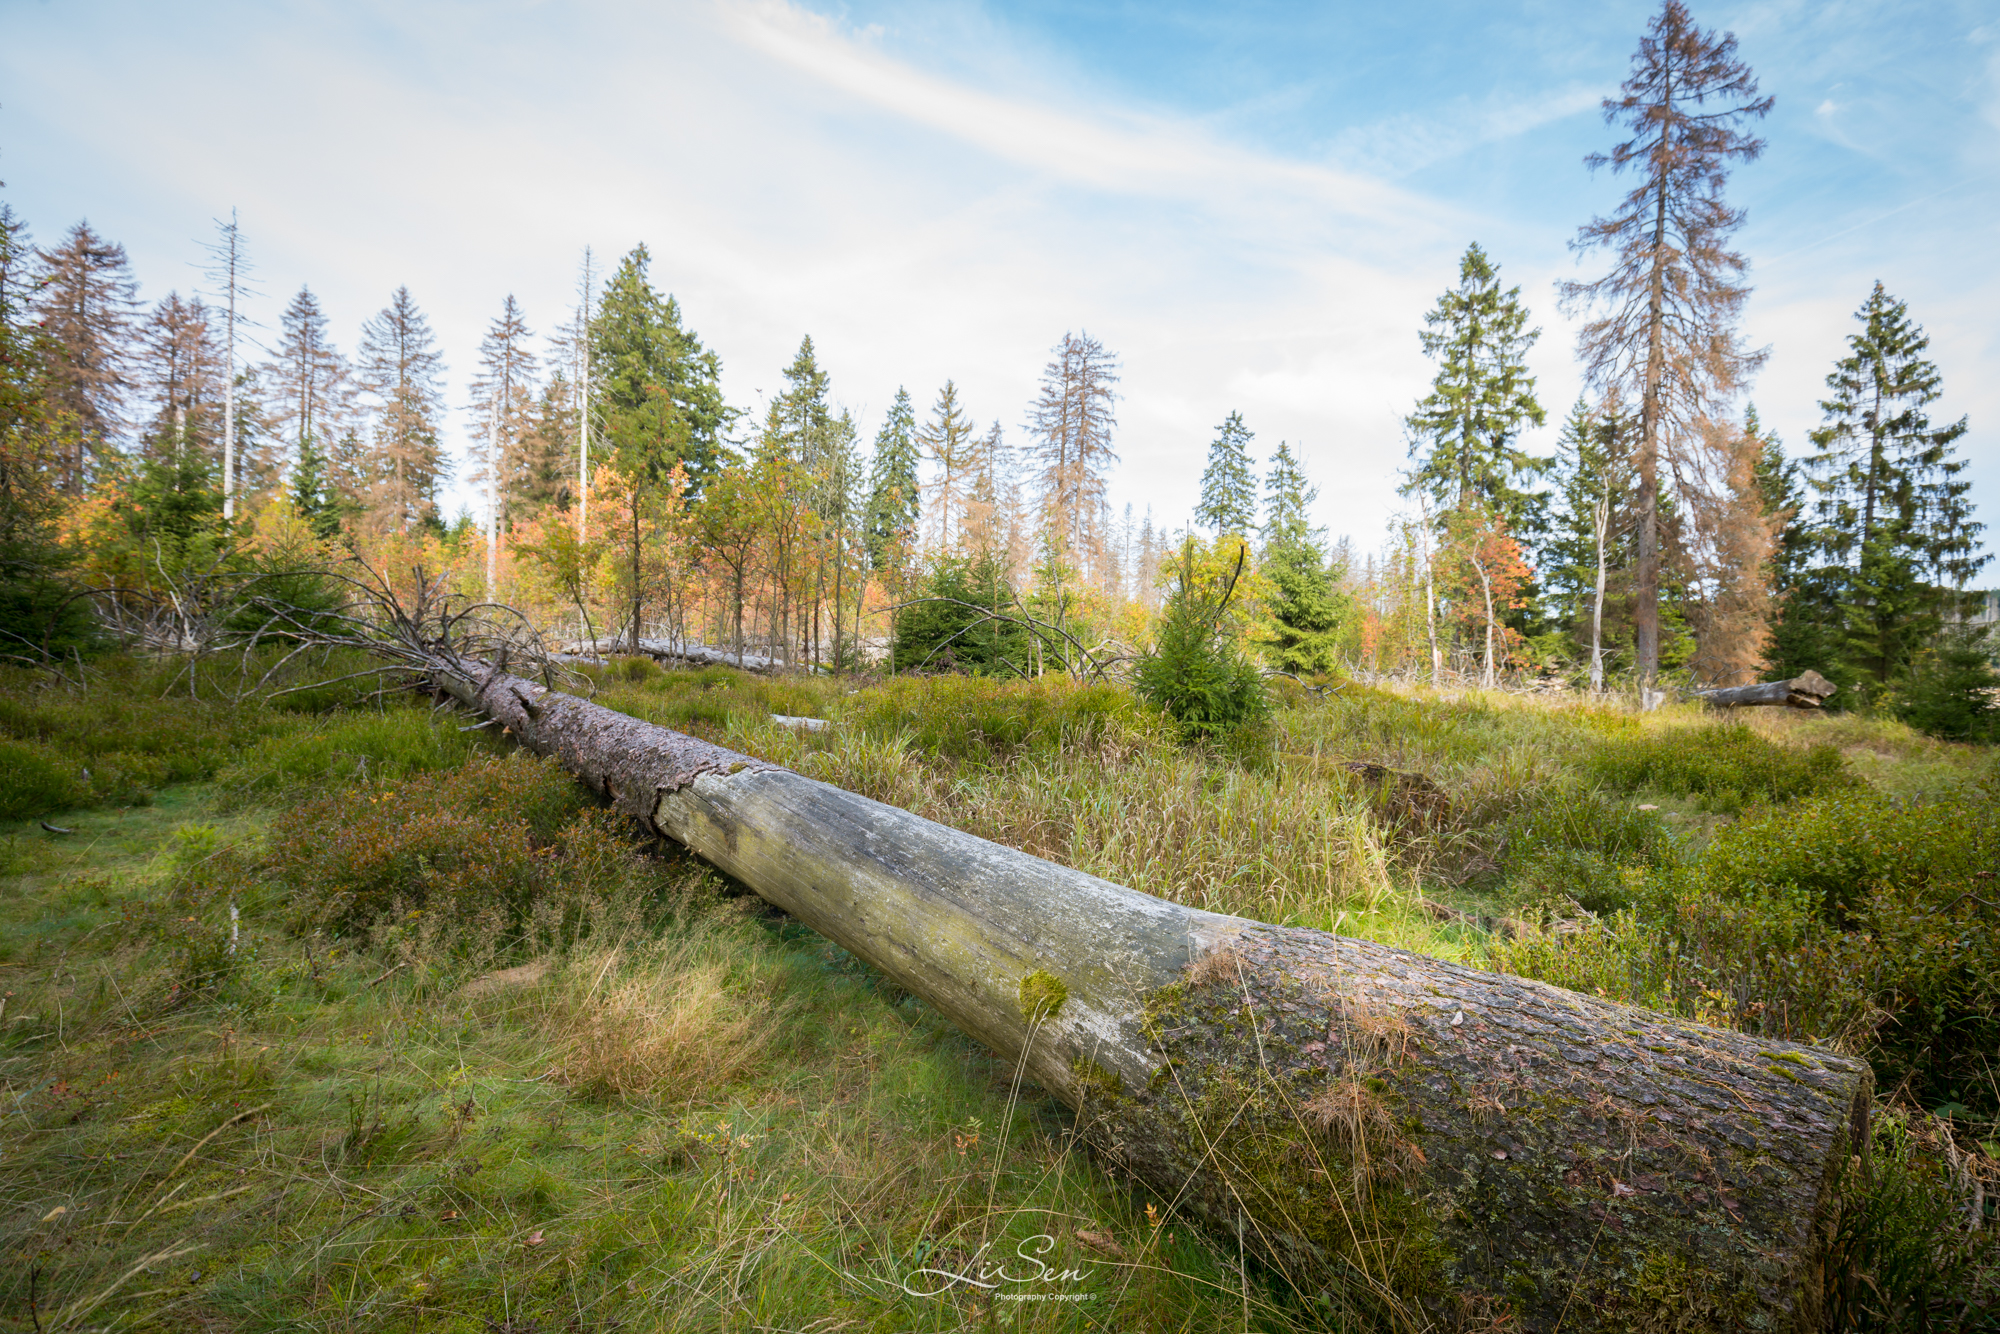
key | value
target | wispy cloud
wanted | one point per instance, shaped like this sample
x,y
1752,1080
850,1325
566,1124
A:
x,y
1104,149
1400,145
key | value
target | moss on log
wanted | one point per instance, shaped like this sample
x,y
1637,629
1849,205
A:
x,y
1464,1145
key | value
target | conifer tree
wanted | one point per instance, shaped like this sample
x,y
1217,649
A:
x,y
1072,423
946,440
1228,486
402,371
1465,433
1588,535
1732,537
1878,442
312,490
1806,620
1288,497
804,415
659,391
894,499
85,298
659,396
1667,335
308,383
985,523
39,616
230,269
178,367
503,405
1306,613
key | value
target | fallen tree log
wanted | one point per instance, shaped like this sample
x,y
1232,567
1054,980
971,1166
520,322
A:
x,y
1468,1147
675,650
1809,691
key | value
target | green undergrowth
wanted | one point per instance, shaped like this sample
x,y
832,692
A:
x,y
468,1058
505,1069
139,725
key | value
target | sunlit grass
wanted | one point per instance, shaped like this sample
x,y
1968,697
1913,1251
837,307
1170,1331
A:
x,y
637,1099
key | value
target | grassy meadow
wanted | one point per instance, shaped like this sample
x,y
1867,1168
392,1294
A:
x,y
329,1014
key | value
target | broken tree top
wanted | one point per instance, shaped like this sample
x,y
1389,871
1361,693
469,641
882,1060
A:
x,y
1461,1143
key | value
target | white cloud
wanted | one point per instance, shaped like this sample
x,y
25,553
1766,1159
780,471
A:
x,y
796,175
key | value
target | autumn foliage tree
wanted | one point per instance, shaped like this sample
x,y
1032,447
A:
x,y
1664,330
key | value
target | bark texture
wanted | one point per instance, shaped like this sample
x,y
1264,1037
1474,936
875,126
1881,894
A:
x,y
1468,1146
1801,692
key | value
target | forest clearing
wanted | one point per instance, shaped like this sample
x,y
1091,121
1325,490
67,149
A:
x,y
478,1059
598,845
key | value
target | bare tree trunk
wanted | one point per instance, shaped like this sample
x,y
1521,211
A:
x,y
1486,587
1515,1149
1601,524
1430,605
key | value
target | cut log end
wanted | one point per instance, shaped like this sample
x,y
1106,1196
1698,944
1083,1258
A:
x,y
1808,691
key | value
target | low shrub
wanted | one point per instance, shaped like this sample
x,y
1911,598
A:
x,y
476,846
986,720
1837,850
384,747
1726,765
1571,841
1852,919
1914,1247
134,730
703,702
35,781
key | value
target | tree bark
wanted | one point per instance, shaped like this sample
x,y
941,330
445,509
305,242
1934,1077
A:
x,y
1456,1146
1801,692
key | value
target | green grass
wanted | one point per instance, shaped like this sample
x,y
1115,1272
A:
x,y
656,1106
505,1070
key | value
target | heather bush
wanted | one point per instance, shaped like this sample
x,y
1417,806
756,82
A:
x,y
1726,766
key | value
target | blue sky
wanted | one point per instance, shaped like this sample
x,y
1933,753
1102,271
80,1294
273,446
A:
x,y
1253,204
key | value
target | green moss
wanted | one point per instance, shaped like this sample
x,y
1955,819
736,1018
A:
x,y
1042,995
1667,1295
1099,1084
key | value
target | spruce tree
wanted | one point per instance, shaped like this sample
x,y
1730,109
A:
x,y
1228,486
1665,333
1287,498
1586,552
1807,623
1892,514
803,415
656,389
658,392
1071,425
1306,614
503,403
85,297
402,371
309,387
947,440
1465,433
894,500
178,367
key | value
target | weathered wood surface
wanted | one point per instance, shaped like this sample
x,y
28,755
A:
x,y
1474,1144
675,650
1809,691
